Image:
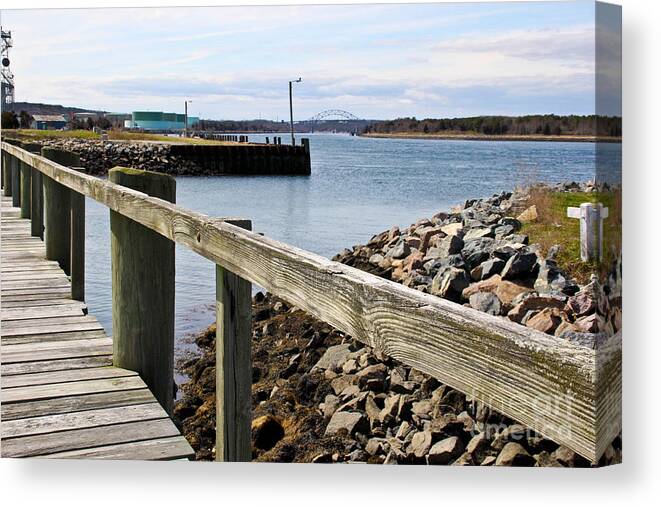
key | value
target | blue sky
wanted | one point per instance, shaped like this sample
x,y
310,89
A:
x,y
376,61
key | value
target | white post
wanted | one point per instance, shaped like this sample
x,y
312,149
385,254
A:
x,y
591,216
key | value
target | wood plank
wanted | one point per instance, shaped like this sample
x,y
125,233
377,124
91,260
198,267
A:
x,y
172,448
22,368
30,393
52,328
33,379
80,420
48,321
63,350
67,404
45,337
37,312
36,445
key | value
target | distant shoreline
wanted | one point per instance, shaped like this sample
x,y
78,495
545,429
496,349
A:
x,y
503,137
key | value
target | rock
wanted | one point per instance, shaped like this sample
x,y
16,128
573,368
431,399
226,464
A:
x,y
330,405
399,385
404,429
427,234
514,455
590,340
479,232
505,290
445,451
452,229
446,425
399,251
485,302
420,444
513,222
340,383
546,320
373,377
478,445
590,323
334,357
352,422
551,280
491,267
488,461
476,251
374,446
266,432
422,409
450,283
515,432
520,265
528,215
390,407
535,302
450,245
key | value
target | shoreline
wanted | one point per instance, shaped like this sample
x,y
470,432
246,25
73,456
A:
x,y
320,396
484,137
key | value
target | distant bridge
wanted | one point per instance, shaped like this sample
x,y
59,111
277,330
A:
x,y
333,114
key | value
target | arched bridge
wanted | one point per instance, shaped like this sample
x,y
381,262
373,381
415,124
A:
x,y
333,114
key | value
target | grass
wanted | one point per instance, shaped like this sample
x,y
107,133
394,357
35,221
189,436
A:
x,y
115,135
553,227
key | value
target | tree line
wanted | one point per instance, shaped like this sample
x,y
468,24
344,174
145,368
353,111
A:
x,y
548,124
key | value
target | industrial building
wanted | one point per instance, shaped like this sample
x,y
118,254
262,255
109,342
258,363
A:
x,y
159,121
48,122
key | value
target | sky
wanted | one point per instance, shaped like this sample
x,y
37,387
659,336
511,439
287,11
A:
x,y
375,61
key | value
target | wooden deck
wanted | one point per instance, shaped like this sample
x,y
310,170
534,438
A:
x,y
61,396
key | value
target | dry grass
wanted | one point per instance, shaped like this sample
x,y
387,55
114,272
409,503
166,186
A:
x,y
115,135
553,227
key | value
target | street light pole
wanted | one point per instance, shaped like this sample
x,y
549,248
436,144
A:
x,y
186,117
291,111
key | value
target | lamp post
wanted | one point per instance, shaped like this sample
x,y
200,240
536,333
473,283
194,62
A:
x,y
186,102
291,111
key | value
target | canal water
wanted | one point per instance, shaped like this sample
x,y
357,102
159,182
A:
x,y
358,187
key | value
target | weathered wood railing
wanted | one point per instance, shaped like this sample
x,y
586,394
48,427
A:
x,y
567,392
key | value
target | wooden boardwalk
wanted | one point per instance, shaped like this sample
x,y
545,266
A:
x,y
61,396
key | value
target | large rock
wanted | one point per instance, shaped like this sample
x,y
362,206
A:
x,y
445,451
351,422
450,245
505,290
534,303
479,232
528,215
420,444
334,357
546,320
514,455
520,265
452,229
450,283
486,302
477,250
551,280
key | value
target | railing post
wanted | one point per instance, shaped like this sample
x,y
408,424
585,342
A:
x,y
57,210
77,219
233,364
36,195
143,289
26,187
16,178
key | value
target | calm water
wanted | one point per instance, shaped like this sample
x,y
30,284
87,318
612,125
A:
x,y
358,187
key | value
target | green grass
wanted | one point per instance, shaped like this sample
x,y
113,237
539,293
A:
x,y
553,227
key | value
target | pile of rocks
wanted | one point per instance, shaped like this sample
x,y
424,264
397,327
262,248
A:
x,y
477,256
97,157
320,396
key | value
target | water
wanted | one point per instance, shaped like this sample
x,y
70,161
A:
x,y
358,187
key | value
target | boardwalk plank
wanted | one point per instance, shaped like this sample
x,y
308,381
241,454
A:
x,y
158,449
29,393
22,368
33,379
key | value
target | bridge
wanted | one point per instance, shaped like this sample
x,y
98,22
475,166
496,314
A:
x,y
339,118
70,390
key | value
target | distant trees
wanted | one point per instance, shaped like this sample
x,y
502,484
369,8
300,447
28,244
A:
x,y
499,125
24,119
9,120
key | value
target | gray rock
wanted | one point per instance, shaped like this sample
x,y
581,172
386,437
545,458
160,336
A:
x,y
479,232
352,422
450,245
520,265
486,302
445,451
399,251
334,357
331,402
491,267
450,283
476,251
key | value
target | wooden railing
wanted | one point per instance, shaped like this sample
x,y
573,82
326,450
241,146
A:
x,y
566,392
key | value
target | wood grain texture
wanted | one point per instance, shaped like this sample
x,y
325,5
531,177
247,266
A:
x,y
143,290
233,367
541,381
157,449
77,247
26,189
